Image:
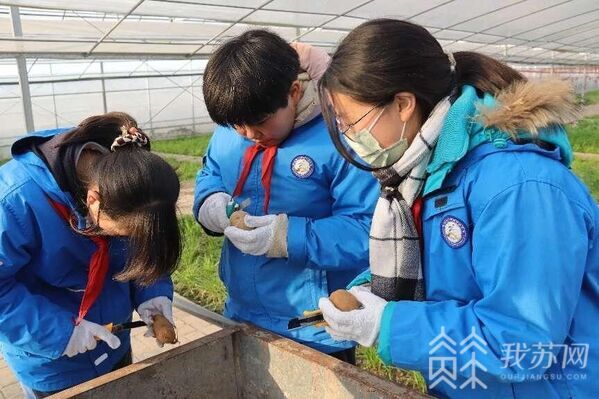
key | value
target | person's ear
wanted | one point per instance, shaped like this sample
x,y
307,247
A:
x,y
405,104
295,92
93,196
93,203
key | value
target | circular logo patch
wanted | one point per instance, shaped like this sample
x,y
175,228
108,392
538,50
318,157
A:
x,y
454,232
302,166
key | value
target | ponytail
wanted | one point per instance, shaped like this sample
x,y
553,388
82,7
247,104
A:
x,y
102,129
483,72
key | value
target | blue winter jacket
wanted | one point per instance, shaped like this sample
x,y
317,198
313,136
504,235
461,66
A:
x,y
511,266
329,204
43,272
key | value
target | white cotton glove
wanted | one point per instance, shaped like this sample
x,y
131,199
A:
x,y
362,325
213,212
159,305
84,339
268,237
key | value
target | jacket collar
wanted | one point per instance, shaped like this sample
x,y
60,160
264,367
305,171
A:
x,y
38,170
524,111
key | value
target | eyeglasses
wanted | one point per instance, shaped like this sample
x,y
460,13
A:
x,y
344,129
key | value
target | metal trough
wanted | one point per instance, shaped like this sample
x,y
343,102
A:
x,y
240,362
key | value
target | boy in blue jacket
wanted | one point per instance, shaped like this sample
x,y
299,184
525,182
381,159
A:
x,y
307,238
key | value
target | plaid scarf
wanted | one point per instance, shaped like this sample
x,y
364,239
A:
x,y
395,259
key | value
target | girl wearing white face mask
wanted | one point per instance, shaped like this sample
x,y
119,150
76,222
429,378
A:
x,y
481,233
369,149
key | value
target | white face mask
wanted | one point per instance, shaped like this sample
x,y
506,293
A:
x,y
369,149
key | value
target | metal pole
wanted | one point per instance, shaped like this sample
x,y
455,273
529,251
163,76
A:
x,y
584,87
17,31
193,103
150,105
54,98
105,36
105,107
239,20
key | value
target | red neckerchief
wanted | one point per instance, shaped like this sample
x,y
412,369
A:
x,y
267,170
98,265
417,215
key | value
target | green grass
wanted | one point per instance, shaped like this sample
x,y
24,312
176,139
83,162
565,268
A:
x,y
186,170
197,275
369,360
195,145
3,161
590,97
584,135
588,171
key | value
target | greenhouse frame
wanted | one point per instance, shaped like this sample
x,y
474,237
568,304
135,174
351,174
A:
x,y
61,60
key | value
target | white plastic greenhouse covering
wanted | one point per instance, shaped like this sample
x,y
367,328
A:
x,y
146,57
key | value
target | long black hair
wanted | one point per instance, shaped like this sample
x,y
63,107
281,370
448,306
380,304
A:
x,y
138,188
383,57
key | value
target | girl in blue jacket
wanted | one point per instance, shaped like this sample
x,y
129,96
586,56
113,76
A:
x,y
88,233
484,245
309,210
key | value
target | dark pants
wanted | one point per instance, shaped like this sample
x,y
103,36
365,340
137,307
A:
x,y
347,355
124,362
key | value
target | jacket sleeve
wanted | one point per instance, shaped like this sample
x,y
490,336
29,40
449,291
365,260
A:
x,y
339,241
163,287
208,180
530,246
28,321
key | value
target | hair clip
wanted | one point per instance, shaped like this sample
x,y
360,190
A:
x,y
452,62
129,135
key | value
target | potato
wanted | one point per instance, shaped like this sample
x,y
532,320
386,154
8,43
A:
x,y
237,219
164,330
344,301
